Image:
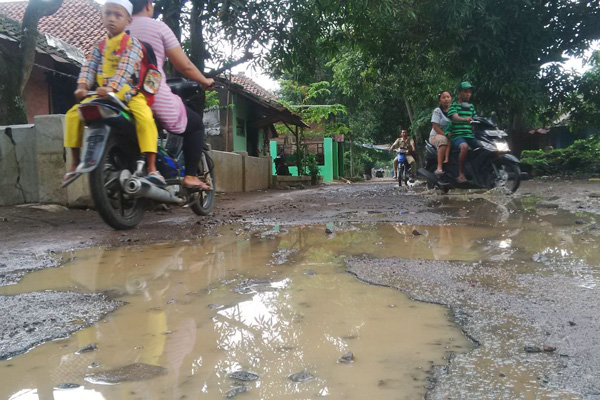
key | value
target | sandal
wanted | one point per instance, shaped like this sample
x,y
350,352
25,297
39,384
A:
x,y
439,172
156,178
69,178
461,179
200,186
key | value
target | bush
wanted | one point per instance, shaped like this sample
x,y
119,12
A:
x,y
579,158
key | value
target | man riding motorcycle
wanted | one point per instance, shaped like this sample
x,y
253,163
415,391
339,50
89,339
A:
x,y
405,145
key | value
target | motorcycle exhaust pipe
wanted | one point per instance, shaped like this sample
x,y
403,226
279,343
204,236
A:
x,y
140,187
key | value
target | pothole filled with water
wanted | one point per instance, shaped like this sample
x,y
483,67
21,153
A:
x,y
255,314
270,312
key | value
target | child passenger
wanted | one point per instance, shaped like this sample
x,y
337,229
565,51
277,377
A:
x,y
439,123
114,73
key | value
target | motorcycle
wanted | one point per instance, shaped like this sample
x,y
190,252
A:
x,y
112,158
404,168
489,165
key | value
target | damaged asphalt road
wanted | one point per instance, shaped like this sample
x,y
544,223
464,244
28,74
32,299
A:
x,y
504,305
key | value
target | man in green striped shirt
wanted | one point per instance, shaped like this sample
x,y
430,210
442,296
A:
x,y
460,131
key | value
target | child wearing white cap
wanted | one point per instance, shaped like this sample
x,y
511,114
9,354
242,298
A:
x,y
112,66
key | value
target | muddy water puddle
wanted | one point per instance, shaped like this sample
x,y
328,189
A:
x,y
274,302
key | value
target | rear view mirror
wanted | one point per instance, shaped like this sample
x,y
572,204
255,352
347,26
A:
x,y
465,106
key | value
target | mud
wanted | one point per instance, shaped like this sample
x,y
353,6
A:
x,y
505,302
30,319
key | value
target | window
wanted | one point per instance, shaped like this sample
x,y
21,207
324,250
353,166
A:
x,y
240,127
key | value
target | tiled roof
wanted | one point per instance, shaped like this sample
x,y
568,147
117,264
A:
x,y
76,22
46,44
252,87
278,112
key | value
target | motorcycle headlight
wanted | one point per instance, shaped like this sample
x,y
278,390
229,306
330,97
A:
x,y
488,146
502,146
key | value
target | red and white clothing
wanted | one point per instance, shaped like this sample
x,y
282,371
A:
x,y
168,108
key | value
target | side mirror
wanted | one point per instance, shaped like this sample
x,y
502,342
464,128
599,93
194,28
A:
x,y
465,106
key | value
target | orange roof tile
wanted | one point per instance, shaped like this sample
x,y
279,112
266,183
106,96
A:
x,y
77,22
250,86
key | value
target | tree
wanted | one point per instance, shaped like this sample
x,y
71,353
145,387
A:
x,y
15,69
583,105
508,49
214,26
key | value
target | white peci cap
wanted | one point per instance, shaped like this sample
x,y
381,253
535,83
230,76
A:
x,y
125,3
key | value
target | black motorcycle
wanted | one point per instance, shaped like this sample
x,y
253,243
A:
x,y
489,165
116,167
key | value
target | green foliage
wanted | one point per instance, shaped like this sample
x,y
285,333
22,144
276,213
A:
x,y
579,158
212,99
310,164
386,60
315,104
583,104
363,159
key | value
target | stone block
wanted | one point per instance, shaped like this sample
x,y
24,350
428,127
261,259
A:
x,y
19,179
257,171
50,158
228,171
78,192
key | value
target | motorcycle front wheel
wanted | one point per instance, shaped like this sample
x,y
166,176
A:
x,y
507,175
114,206
204,201
401,173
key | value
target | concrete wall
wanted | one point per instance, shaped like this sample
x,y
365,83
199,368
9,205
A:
x,y
18,180
257,173
228,171
32,161
238,172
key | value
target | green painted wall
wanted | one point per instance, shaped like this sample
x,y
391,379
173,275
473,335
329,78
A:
x,y
329,171
240,118
273,150
336,169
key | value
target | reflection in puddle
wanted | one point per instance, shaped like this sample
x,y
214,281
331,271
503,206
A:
x,y
206,309
277,302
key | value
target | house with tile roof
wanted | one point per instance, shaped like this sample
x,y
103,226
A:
x,y
65,38
246,124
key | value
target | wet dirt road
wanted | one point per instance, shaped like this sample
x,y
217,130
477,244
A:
x,y
265,280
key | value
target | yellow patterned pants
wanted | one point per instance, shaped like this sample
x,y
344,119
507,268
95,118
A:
x,y
145,128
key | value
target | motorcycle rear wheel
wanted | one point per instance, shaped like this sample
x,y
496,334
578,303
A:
x,y
204,201
508,175
114,206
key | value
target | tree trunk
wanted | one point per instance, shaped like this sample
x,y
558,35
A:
x,y
171,15
409,110
12,110
36,9
15,69
198,51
